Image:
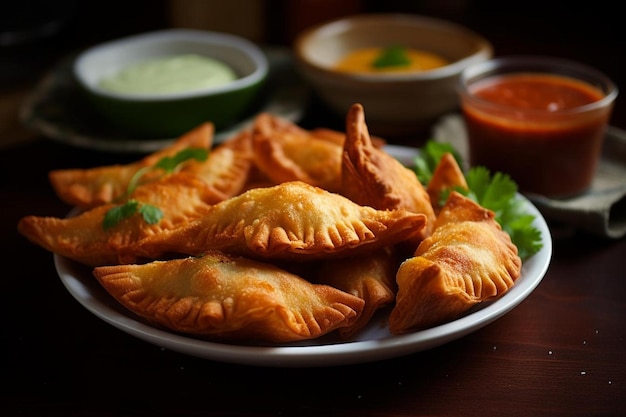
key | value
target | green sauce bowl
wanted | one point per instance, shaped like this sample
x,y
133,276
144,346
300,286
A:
x,y
162,115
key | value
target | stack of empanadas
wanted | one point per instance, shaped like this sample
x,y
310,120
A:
x,y
282,234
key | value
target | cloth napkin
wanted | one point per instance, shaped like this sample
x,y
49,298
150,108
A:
x,y
600,211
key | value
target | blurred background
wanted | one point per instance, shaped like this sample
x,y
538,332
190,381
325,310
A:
x,y
34,34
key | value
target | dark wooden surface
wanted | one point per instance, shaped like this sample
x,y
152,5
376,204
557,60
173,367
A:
x,y
561,352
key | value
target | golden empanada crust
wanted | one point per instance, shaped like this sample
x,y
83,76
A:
x,y
181,197
468,259
90,187
372,177
217,296
371,277
229,164
447,176
291,221
286,152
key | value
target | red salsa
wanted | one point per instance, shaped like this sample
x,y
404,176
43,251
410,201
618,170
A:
x,y
538,132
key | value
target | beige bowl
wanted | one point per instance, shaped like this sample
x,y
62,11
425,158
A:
x,y
394,103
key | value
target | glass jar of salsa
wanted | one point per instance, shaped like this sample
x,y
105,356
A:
x,y
541,120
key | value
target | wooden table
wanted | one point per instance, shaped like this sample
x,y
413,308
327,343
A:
x,y
561,352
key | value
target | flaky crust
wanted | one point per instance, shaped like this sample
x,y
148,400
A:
x,y
290,202
447,176
374,178
87,188
182,197
230,298
371,277
228,166
292,221
286,152
467,260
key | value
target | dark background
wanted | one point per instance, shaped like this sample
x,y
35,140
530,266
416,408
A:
x,y
35,33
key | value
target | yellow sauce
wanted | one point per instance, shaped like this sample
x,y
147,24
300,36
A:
x,y
361,61
171,74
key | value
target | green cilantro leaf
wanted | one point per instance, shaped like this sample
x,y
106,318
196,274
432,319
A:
x,y
493,192
151,214
393,56
134,181
527,237
170,163
118,213
497,192
430,156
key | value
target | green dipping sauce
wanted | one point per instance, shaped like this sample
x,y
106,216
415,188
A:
x,y
174,74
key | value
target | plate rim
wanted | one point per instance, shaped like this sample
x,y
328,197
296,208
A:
x,y
335,354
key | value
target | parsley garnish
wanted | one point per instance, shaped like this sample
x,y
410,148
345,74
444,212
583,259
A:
x,y
393,56
151,214
430,156
495,192
170,163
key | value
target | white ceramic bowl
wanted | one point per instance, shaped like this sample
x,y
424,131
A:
x,y
171,114
394,103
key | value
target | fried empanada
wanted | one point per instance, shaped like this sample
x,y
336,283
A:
x,y
447,176
218,296
286,152
90,187
329,135
290,221
228,167
372,177
371,277
182,197
467,260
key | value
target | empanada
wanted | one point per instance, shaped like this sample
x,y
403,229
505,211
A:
x,y
292,221
372,177
182,197
218,296
90,187
228,167
371,277
446,176
286,152
467,260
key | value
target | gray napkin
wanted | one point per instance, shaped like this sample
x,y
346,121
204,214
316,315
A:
x,y
601,210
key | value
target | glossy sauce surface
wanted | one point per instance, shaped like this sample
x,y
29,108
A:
x,y
539,92
540,135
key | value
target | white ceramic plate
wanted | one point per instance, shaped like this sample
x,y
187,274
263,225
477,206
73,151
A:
x,y
371,344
